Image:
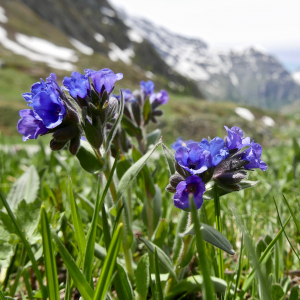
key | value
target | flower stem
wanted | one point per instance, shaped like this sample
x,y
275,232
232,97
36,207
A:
x,y
219,228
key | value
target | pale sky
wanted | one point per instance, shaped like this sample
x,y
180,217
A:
x,y
274,25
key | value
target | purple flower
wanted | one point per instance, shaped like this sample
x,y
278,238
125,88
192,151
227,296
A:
x,y
147,87
193,158
235,138
192,185
104,77
217,149
128,96
78,85
253,154
29,126
159,99
180,142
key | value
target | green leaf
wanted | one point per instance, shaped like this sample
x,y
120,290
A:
x,y
132,172
277,292
157,277
162,256
80,282
212,236
50,263
170,157
26,187
160,233
114,129
26,244
109,265
127,293
152,137
91,236
142,277
130,128
194,284
209,194
146,110
88,159
294,293
93,134
77,222
208,289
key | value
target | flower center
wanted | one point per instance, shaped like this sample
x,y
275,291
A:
x,y
192,166
191,188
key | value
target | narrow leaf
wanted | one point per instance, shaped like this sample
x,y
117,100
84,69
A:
x,y
152,137
170,157
162,256
81,283
127,292
49,257
157,277
132,172
212,236
77,222
109,265
142,277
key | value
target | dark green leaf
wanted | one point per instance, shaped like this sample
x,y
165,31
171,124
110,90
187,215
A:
x,y
212,236
142,277
157,277
294,293
170,157
277,292
127,293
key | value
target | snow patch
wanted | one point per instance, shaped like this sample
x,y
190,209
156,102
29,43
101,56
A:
x,y
296,77
134,36
45,47
20,50
233,78
149,74
118,54
245,113
268,121
81,47
107,11
99,37
3,17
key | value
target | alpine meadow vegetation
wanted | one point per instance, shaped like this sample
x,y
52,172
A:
x,y
108,211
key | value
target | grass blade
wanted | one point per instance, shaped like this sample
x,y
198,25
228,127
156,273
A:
x,y
292,213
81,283
50,263
142,277
26,245
208,289
91,237
109,265
77,222
157,278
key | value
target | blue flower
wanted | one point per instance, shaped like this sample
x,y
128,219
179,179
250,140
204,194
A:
x,y
127,94
193,158
48,109
217,149
78,85
192,185
253,154
180,142
103,78
160,98
235,138
29,126
147,87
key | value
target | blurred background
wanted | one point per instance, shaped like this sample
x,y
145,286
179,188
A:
x,y
234,63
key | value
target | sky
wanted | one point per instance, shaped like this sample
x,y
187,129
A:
x,y
227,24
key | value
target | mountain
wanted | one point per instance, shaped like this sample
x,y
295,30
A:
x,y
89,27
247,75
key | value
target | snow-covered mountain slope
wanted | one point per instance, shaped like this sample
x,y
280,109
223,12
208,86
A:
x,y
296,76
247,75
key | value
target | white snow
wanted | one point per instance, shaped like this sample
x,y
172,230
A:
x,y
45,47
107,11
296,76
99,37
134,36
20,50
81,47
118,54
3,17
150,75
245,113
234,79
268,121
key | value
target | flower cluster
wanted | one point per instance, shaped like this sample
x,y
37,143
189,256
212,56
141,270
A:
x,y
87,111
223,161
